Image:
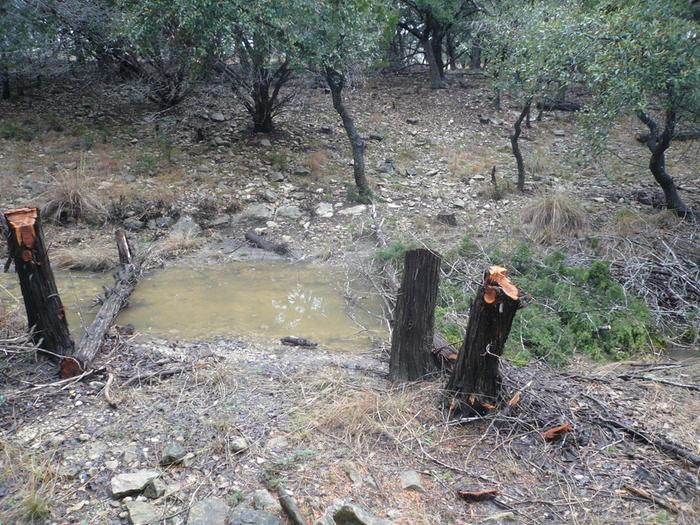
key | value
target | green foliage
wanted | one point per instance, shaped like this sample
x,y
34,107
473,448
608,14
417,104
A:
x,y
13,130
574,309
468,248
395,252
147,164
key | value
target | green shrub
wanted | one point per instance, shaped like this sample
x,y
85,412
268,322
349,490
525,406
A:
x,y
395,252
574,309
13,130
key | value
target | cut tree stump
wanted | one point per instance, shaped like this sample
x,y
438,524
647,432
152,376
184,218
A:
x,y
45,312
414,316
475,380
115,298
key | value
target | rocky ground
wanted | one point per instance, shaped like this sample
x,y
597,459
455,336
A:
x,y
205,432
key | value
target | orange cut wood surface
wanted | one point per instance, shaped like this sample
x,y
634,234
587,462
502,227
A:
x,y
498,275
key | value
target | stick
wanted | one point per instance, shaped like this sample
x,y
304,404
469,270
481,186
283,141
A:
x,y
108,395
289,505
656,499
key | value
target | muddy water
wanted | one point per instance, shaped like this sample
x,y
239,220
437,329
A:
x,y
264,300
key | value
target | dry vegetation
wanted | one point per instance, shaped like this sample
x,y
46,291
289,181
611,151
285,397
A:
x,y
554,216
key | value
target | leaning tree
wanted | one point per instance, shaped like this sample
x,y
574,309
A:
x,y
647,63
339,40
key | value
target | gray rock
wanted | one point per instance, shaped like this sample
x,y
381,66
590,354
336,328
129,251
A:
x,y
133,224
164,222
327,130
484,120
268,195
210,511
412,120
388,167
411,172
290,212
265,143
350,514
261,212
245,516
447,217
376,136
458,203
410,480
353,210
351,470
142,513
217,116
185,227
302,171
220,141
277,444
478,177
238,444
263,500
277,177
221,220
559,133
324,210
172,453
155,489
35,186
130,483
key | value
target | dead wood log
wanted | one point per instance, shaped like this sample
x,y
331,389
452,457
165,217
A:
x,y
115,299
290,507
45,312
478,494
656,499
414,318
290,340
262,242
475,380
558,105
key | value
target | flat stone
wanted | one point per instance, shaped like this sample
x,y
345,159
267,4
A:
x,y
326,130
129,483
559,133
263,500
277,177
478,177
268,195
261,212
411,172
324,210
599,199
155,489
350,514
164,222
142,513
447,217
376,136
221,220
353,210
290,212
277,444
172,453
302,171
210,511
351,470
186,227
133,224
458,203
412,120
265,143
410,480
217,116
246,516
238,444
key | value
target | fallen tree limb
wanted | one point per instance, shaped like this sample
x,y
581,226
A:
x,y
661,380
656,499
115,298
290,340
263,243
158,374
290,507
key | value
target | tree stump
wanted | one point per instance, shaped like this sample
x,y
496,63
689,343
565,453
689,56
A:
x,y
414,317
475,381
45,312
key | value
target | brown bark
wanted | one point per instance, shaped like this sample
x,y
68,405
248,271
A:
x,y
263,243
475,381
412,337
45,312
336,82
115,299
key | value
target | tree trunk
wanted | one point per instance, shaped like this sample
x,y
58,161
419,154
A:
x,y
262,114
6,93
658,144
336,82
475,380
475,55
45,312
517,130
414,316
451,48
436,79
115,298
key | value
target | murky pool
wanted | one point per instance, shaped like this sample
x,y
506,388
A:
x,y
264,300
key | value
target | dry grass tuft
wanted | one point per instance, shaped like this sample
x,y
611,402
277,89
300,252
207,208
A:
x,y
364,417
316,161
69,198
176,245
98,258
554,216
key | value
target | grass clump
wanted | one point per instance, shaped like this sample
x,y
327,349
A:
x,y
69,198
554,216
98,258
573,309
13,130
395,253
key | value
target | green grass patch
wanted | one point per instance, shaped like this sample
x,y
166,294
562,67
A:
x,y
13,130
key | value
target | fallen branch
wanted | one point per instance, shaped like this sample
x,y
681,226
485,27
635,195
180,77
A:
x,y
290,506
290,340
261,242
656,499
160,374
478,494
627,377
108,394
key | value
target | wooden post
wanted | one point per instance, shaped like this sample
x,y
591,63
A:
x,y
115,298
45,312
475,380
414,316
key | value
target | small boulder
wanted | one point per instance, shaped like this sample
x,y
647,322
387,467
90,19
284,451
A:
x,y
130,483
353,210
410,480
412,121
265,143
172,453
263,500
324,210
238,444
290,212
155,489
458,203
376,136
133,224
142,513
217,116
261,212
447,217
350,514
210,511
246,516
185,227
302,171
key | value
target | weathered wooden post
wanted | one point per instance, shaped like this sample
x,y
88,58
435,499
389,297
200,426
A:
x,y
414,318
45,312
475,380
